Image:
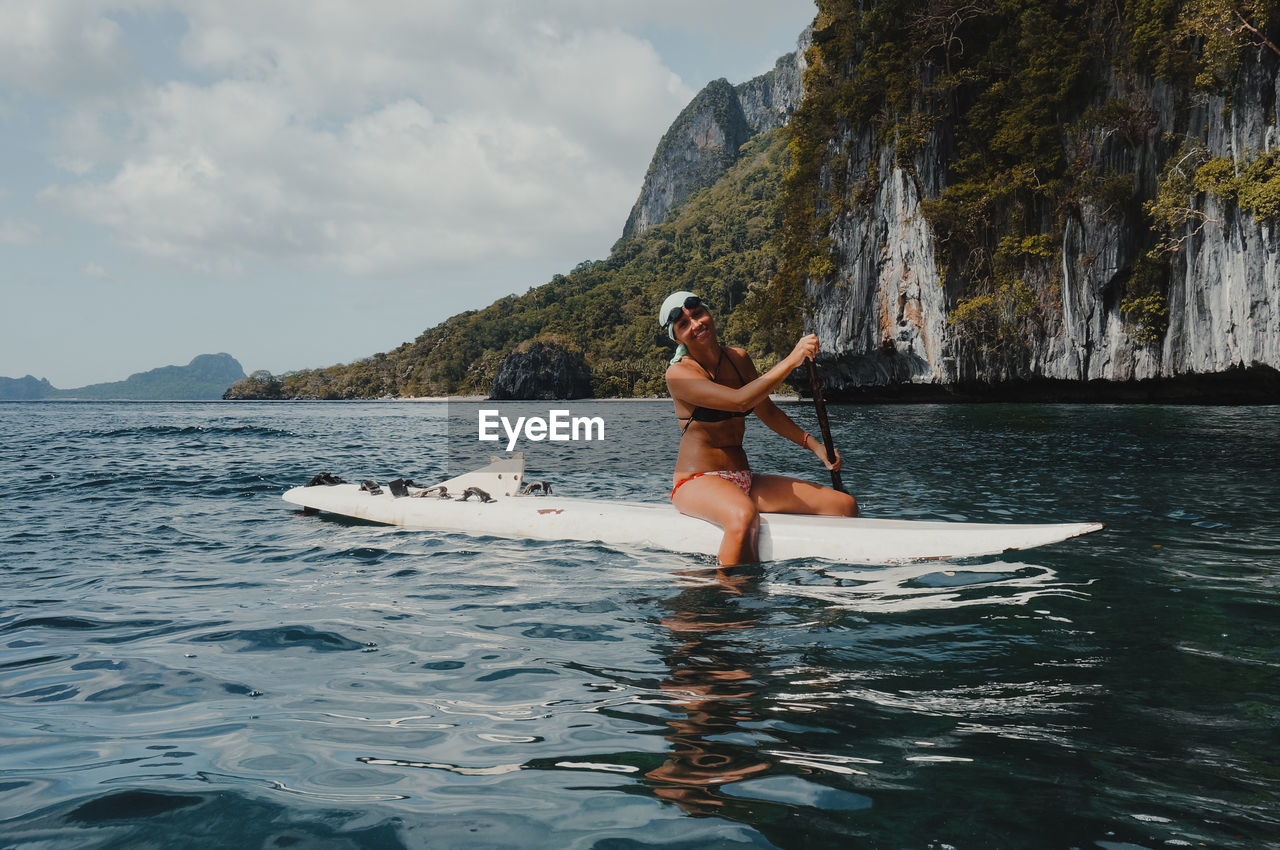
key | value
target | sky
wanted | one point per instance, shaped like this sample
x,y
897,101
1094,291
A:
x,y
300,183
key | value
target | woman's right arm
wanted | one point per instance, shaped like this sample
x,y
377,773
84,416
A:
x,y
693,387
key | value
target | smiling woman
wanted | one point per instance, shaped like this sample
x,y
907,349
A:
x,y
714,388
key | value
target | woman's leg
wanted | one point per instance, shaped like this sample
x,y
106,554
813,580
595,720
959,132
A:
x,y
714,499
782,495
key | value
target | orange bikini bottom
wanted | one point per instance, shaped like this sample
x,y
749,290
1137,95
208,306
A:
x,y
741,477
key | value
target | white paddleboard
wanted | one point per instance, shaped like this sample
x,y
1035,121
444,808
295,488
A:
x,y
660,526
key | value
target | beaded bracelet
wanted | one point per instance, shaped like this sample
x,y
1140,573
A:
x,y
804,444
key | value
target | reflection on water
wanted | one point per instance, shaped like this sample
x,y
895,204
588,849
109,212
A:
x,y
724,707
711,691
920,587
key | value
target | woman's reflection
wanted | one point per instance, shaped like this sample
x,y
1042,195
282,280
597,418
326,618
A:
x,y
710,683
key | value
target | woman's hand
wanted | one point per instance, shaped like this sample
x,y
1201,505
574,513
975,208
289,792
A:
x,y
821,452
806,349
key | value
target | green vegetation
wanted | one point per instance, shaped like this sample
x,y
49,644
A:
x,y
1196,43
1253,184
1174,207
260,385
1003,77
998,322
1143,304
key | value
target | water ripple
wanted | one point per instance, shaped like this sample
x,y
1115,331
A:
x,y
916,587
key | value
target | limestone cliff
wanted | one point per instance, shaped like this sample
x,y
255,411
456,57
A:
x,y
703,142
886,306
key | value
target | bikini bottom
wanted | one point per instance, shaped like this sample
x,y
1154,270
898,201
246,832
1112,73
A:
x,y
741,477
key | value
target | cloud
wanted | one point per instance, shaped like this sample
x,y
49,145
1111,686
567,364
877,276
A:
x,y
95,270
16,231
373,138
60,47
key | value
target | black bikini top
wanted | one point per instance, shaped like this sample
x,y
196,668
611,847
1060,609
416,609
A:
x,y
710,414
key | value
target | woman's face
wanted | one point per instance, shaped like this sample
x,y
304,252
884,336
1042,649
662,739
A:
x,y
694,326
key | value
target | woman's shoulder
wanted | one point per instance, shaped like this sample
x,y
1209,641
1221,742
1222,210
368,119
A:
x,y
684,367
740,357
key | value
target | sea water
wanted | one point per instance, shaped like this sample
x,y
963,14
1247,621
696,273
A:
x,y
188,661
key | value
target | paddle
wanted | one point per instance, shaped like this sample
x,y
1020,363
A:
x,y
821,408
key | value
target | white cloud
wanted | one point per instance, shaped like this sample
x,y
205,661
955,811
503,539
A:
x,y
374,138
60,46
16,231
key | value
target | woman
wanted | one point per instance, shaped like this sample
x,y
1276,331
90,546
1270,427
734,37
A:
x,y
714,389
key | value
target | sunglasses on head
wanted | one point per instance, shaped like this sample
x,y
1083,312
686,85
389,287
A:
x,y
690,303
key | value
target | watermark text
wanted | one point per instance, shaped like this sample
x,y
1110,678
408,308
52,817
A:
x,y
558,427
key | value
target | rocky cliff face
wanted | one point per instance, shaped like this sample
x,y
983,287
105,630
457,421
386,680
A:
x,y
1224,295
769,99
541,371
884,323
703,142
883,315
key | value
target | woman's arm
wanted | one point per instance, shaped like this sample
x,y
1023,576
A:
x,y
691,385
778,421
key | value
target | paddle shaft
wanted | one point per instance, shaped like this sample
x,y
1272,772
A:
x,y
821,408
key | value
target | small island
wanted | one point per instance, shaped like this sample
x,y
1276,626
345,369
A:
x,y
205,378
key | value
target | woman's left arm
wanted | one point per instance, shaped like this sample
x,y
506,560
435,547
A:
x,y
779,422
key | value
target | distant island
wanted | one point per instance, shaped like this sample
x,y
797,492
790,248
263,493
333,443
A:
x,y
205,378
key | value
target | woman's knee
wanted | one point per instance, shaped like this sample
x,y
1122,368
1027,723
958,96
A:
x,y
740,519
842,504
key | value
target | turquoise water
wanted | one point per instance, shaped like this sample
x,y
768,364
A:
x,y
187,661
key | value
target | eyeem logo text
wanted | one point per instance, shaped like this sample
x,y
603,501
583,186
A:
x,y
558,427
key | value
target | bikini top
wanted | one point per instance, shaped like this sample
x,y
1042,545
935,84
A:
x,y
710,414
